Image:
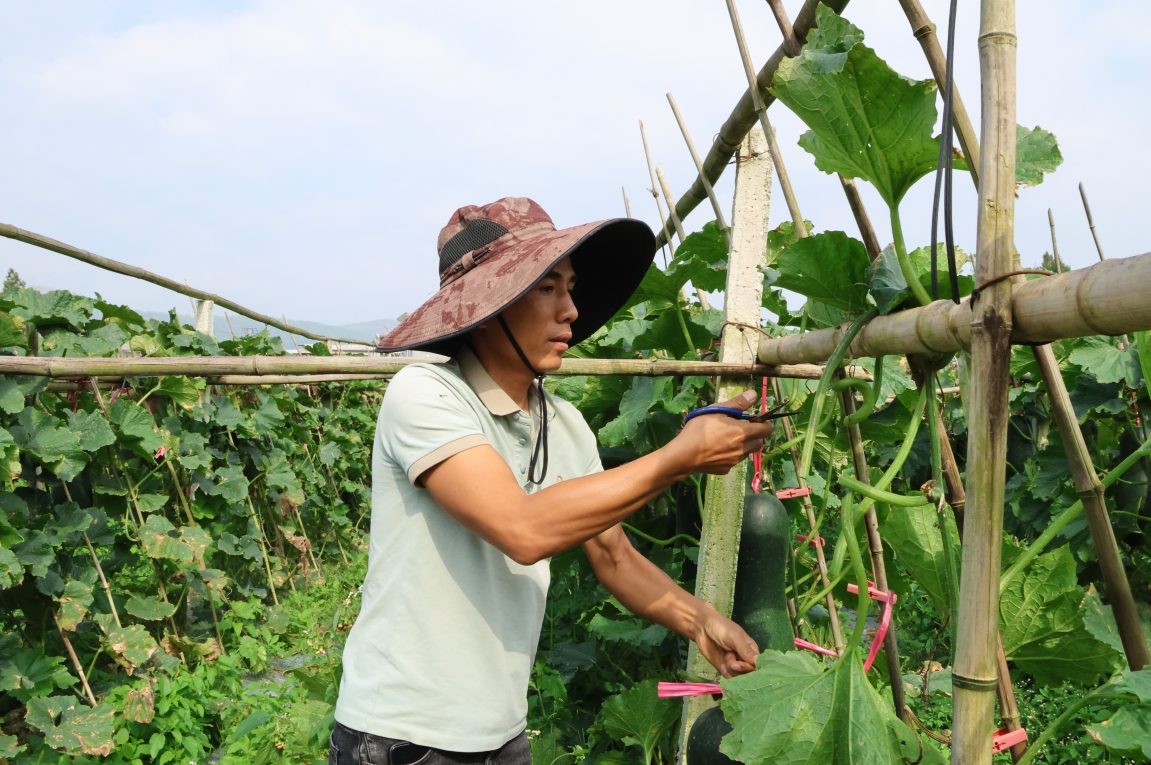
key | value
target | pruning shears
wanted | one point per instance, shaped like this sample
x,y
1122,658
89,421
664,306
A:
x,y
739,414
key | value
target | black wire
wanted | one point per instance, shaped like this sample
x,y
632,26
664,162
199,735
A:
x,y
540,447
944,173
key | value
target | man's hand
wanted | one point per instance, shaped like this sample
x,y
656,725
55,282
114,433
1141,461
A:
x,y
725,645
716,443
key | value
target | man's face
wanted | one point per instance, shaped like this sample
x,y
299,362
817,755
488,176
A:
x,y
541,319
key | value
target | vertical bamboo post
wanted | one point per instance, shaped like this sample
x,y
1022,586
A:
x,y
205,320
976,669
626,203
1054,244
723,504
1124,343
699,169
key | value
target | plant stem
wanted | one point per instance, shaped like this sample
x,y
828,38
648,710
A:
x,y
75,661
905,261
660,542
901,455
949,570
878,495
802,470
856,557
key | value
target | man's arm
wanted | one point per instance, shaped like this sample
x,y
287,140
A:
x,y
647,591
479,490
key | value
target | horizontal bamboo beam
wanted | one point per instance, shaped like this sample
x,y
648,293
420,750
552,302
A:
x,y
47,243
109,383
1108,298
259,369
741,120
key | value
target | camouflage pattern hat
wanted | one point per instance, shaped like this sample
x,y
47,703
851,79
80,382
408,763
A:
x,y
492,255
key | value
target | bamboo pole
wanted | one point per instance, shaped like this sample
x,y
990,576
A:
x,y
723,503
759,105
655,191
1108,298
703,302
743,116
1124,343
1054,244
256,370
957,497
75,661
975,674
699,169
1088,309
626,203
39,240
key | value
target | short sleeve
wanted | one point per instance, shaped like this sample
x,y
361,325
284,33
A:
x,y
423,421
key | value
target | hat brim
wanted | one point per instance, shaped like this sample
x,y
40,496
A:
x,y
610,257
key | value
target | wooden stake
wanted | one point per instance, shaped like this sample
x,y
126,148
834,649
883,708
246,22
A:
x,y
38,240
975,674
75,661
699,169
723,505
626,203
96,563
1124,343
1054,244
294,343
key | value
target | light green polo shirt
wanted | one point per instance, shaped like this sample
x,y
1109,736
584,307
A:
x,y
442,650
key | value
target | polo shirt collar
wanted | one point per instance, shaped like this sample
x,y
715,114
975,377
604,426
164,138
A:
x,y
497,401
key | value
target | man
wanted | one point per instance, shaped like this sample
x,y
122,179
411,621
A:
x,y
479,476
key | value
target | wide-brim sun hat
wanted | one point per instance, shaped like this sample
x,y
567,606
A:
x,y
490,256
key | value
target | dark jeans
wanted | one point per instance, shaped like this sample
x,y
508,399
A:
x,y
352,747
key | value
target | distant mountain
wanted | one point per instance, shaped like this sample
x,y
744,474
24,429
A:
x,y
364,330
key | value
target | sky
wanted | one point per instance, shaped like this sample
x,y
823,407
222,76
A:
x,y
300,157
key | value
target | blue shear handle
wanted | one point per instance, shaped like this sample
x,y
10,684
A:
x,y
730,411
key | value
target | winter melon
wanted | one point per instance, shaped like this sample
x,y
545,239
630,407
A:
x,y
761,576
703,741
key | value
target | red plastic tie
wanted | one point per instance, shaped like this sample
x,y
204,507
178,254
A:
x,y
1005,739
818,542
680,690
793,493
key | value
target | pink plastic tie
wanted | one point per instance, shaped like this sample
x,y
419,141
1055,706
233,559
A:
x,y
818,542
793,493
679,690
757,458
801,643
889,599
1005,739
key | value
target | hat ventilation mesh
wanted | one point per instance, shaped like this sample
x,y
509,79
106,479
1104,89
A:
x,y
473,236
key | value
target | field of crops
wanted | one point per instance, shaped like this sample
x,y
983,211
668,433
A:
x,y
180,562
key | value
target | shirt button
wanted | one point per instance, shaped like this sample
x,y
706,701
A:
x,y
523,441
523,469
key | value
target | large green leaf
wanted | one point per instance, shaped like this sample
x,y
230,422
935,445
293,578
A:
x,y
132,646
12,331
546,750
708,247
137,427
163,540
51,309
149,608
1041,621
867,121
57,447
74,604
645,392
639,716
913,533
30,673
80,728
92,429
830,267
790,709
11,570
1036,152
231,484
627,630
889,287
1100,357
184,391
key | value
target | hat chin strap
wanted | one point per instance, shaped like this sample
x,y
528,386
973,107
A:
x,y
541,445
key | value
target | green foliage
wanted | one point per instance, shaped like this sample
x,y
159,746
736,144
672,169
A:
x,y
830,267
637,716
1036,153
